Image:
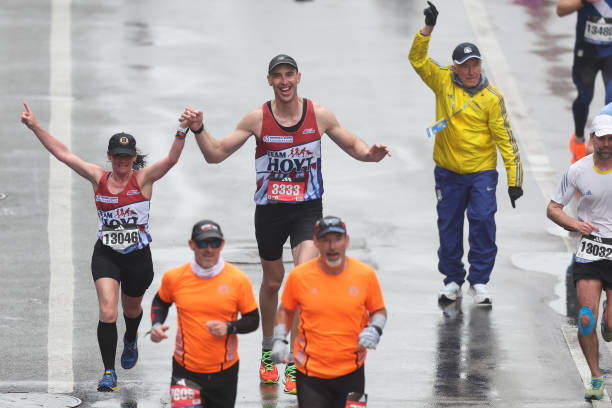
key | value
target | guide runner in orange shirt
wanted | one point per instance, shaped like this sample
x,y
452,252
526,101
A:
x,y
341,314
208,293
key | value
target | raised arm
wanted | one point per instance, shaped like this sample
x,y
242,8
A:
x,y
565,7
431,16
430,71
157,170
355,147
215,151
86,170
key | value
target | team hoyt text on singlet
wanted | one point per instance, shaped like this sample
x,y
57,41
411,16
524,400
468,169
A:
x,y
288,159
123,218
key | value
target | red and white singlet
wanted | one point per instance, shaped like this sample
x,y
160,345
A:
x,y
123,218
288,160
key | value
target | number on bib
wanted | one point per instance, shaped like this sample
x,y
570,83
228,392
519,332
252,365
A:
x,y
120,237
591,248
286,189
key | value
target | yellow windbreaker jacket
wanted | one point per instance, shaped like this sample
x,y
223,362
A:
x,y
467,144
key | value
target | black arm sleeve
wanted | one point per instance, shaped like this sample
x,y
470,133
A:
x,y
247,323
159,310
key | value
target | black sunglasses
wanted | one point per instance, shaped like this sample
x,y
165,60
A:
x,y
213,243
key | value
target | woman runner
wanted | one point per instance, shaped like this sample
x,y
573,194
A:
x,y
121,256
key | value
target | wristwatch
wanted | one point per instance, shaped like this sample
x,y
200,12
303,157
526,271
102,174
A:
x,y
200,130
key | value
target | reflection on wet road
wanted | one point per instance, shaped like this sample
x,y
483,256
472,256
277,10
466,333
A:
x,y
134,67
466,356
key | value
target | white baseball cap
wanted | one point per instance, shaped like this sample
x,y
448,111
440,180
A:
x,y
602,125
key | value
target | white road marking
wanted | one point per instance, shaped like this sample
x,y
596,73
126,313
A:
x,y
569,333
61,285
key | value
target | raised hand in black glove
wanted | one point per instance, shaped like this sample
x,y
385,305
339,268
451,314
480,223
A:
x,y
431,14
514,193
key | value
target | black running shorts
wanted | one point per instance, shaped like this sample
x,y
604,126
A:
x,y
275,222
134,270
313,392
218,390
601,270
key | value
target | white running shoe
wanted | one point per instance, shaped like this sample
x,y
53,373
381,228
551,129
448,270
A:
x,y
481,294
450,292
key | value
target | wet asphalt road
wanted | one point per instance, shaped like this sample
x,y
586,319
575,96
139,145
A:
x,y
135,65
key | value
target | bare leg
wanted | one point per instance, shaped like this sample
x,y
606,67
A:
x,y
108,299
132,306
304,251
607,316
588,293
273,274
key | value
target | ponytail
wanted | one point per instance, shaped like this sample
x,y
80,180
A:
x,y
140,162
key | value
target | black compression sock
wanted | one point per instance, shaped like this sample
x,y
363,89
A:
x,y
131,326
107,340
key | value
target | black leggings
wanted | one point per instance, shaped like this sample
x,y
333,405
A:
x,y
313,392
584,71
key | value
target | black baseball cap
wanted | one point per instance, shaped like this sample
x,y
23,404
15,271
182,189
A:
x,y
122,143
464,52
281,59
206,229
329,224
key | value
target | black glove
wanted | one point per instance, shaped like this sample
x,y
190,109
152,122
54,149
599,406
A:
x,y
431,14
514,193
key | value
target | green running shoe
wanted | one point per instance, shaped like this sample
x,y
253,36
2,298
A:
x,y
268,372
290,385
595,390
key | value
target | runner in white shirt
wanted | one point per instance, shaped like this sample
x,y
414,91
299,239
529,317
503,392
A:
x,y
591,177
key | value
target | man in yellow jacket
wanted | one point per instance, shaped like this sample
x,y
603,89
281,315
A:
x,y
471,120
